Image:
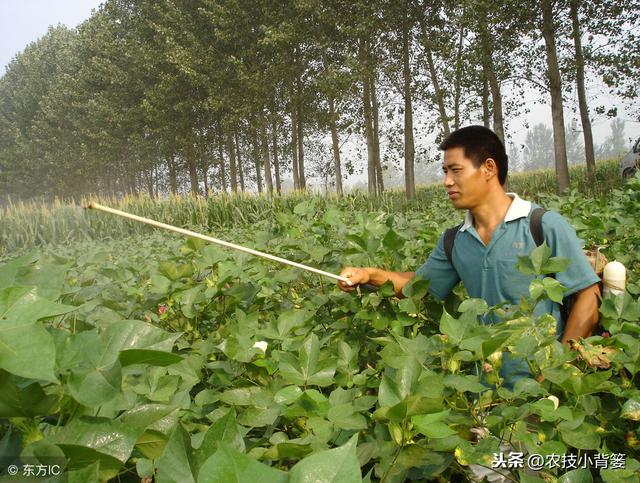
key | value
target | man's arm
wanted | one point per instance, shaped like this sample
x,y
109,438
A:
x,y
374,276
584,314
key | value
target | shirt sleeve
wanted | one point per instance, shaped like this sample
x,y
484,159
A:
x,y
439,271
563,241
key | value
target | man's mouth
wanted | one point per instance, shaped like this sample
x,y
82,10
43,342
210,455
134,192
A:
x,y
452,193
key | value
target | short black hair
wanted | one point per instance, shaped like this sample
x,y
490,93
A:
x,y
479,144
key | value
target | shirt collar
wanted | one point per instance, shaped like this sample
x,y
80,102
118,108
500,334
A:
x,y
519,208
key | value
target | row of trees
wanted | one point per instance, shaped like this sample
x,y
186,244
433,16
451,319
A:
x,y
538,150
221,95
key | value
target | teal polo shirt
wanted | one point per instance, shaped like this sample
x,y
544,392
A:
x,y
489,271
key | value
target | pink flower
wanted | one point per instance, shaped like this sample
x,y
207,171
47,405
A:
x,y
486,367
606,335
162,308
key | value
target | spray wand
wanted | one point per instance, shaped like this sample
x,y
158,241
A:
x,y
148,221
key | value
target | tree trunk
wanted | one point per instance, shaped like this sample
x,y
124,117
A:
x,y
173,182
437,91
458,84
157,178
336,145
223,175
368,125
555,87
574,6
486,113
266,161
256,157
205,176
294,145
376,138
409,150
148,176
239,156
192,166
274,138
496,96
232,163
300,119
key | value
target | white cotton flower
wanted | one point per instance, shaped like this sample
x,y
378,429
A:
x,y
262,345
555,400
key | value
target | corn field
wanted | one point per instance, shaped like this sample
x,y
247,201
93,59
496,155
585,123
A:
x,y
26,225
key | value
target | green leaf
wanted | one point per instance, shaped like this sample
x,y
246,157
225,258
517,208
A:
x,y
475,306
307,369
152,444
292,319
416,288
159,284
409,406
584,437
86,440
525,266
175,464
556,265
134,334
553,288
539,256
47,277
88,474
95,373
344,416
536,289
230,466
464,383
493,344
145,415
627,474
224,430
528,387
25,401
173,271
287,395
150,357
431,425
455,329
392,240
9,270
388,393
242,396
552,448
338,465
26,348
581,475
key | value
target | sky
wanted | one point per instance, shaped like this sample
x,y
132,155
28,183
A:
x,y
24,21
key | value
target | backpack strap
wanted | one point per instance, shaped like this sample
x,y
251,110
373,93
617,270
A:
x,y
535,225
449,239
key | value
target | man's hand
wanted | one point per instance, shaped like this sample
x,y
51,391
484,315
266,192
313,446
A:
x,y
374,276
356,276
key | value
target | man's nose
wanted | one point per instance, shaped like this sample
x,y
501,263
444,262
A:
x,y
448,180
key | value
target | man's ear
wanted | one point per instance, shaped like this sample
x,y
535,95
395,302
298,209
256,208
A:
x,y
490,168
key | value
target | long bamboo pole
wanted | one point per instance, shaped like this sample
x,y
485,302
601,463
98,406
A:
x,y
148,221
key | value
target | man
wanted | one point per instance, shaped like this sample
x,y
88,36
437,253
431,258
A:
x,y
487,245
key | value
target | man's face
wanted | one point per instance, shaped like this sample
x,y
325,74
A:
x,y
466,185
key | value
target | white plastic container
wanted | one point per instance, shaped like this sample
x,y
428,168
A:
x,y
614,278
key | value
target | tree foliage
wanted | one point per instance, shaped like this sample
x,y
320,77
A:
x,y
204,96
